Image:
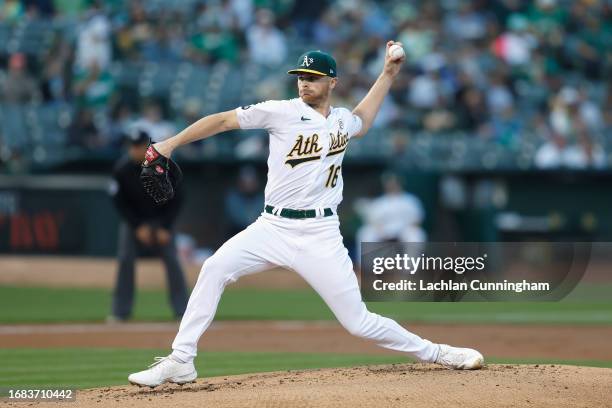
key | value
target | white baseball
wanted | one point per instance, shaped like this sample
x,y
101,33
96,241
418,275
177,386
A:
x,y
396,52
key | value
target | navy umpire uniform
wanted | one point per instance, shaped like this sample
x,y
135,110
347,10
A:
x,y
146,228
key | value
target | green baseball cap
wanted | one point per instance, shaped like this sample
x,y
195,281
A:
x,y
315,62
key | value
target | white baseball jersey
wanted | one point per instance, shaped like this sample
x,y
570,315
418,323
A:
x,y
306,151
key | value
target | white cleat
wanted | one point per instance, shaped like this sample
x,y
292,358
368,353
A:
x,y
163,370
459,358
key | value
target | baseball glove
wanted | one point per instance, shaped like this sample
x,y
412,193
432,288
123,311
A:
x,y
160,176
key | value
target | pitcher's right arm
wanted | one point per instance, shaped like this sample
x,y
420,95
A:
x,y
207,126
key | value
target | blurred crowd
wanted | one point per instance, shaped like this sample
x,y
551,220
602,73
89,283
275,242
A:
x,y
498,70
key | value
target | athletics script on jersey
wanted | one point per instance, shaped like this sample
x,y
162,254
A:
x,y
308,149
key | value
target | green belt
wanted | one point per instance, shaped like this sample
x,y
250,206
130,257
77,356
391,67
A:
x,y
298,214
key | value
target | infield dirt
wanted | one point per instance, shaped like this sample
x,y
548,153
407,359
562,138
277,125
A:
x,y
501,341
399,385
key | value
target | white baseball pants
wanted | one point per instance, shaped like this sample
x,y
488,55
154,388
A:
x,y
311,247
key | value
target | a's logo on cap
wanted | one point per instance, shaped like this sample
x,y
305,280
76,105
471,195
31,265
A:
x,y
307,61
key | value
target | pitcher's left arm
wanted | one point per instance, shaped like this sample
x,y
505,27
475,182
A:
x,y
369,106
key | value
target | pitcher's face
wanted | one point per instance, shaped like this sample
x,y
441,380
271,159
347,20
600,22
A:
x,y
314,89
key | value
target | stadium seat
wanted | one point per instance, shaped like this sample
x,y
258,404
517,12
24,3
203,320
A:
x,y
14,128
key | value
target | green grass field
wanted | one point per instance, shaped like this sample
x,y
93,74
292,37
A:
x,y
45,305
87,368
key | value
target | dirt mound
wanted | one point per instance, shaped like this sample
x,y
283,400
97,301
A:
x,y
399,385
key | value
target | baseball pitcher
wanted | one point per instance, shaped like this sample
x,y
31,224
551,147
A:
x,y
298,228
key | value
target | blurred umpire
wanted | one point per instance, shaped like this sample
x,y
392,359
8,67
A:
x,y
145,228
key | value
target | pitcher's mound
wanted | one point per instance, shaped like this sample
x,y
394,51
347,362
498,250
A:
x,y
398,385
